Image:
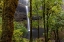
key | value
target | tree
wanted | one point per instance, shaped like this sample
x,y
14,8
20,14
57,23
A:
x,y
48,9
9,8
30,21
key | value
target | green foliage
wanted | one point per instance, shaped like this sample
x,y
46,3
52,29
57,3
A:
x,y
56,18
1,7
35,24
56,22
60,19
19,31
20,26
36,4
1,3
52,6
17,36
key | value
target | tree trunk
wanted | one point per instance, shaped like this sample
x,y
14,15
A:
x,y
47,24
43,8
57,36
31,21
7,20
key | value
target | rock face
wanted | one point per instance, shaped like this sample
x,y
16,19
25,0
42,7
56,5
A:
x,y
23,2
36,17
20,13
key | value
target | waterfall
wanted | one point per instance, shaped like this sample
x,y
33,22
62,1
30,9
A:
x,y
28,21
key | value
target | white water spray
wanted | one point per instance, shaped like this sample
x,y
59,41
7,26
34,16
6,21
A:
x,y
28,20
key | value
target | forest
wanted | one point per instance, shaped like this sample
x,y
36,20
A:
x,y
31,20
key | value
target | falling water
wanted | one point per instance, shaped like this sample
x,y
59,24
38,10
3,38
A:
x,y
28,21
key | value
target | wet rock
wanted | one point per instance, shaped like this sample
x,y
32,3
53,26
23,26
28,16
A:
x,y
20,13
36,17
23,2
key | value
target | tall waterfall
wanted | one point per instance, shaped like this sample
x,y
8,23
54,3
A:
x,y
28,21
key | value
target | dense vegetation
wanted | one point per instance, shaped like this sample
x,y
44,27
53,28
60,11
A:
x,y
52,20
51,11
